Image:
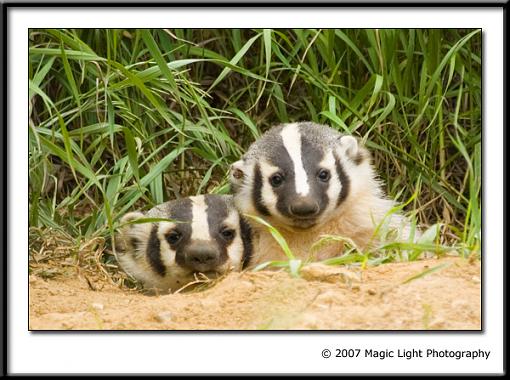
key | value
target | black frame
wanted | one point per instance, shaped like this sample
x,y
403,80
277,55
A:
x,y
4,83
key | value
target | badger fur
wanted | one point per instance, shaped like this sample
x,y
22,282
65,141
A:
x,y
206,234
309,180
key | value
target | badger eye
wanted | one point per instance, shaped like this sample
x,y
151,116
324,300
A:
x,y
228,234
324,175
276,180
173,237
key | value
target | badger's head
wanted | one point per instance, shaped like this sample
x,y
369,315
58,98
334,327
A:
x,y
206,235
299,175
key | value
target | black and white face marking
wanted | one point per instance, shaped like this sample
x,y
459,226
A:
x,y
296,173
208,236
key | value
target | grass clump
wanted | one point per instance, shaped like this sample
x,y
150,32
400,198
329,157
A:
x,y
292,264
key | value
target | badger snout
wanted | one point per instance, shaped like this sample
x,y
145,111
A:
x,y
304,207
202,257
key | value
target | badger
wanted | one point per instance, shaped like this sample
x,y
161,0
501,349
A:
x,y
309,180
200,234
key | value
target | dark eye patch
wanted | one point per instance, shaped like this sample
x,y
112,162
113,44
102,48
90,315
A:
x,y
344,180
173,237
228,234
154,252
257,192
246,236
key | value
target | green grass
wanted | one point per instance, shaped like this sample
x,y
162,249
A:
x,y
292,264
126,119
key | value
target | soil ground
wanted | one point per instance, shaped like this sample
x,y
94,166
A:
x,y
439,294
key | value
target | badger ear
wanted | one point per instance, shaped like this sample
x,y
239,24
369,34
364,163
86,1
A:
x,y
349,145
236,173
127,227
131,216
128,237
353,151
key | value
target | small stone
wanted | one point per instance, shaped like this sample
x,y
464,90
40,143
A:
x,y
372,292
97,306
326,299
165,316
437,323
328,273
459,304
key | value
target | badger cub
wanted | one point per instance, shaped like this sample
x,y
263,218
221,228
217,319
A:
x,y
206,235
309,180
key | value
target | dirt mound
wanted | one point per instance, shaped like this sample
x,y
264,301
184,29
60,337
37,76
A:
x,y
428,294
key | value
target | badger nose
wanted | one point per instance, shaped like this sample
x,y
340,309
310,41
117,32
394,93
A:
x,y
201,257
304,207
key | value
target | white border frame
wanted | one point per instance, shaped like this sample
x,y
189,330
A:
x,y
248,352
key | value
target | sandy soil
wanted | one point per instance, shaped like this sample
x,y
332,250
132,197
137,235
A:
x,y
447,296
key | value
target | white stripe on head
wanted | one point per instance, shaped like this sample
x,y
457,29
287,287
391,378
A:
x,y
199,223
292,142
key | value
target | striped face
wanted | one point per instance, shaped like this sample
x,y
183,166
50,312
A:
x,y
206,235
296,174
